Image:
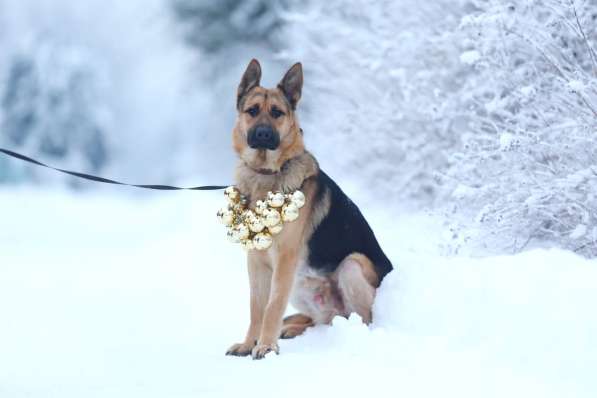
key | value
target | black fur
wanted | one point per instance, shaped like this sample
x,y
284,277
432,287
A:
x,y
343,231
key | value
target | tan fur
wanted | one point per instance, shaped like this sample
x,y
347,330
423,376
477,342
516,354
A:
x,y
288,247
367,268
282,271
260,273
295,173
297,319
356,280
318,213
295,325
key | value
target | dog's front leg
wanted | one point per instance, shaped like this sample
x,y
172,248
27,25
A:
x,y
281,285
260,275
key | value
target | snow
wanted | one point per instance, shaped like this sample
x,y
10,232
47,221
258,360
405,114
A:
x,y
576,85
506,141
470,57
579,231
462,191
125,296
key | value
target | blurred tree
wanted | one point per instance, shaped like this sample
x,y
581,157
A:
x,y
214,25
50,107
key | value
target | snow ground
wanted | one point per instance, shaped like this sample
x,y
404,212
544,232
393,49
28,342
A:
x,y
120,296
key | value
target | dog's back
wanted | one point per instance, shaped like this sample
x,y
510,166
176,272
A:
x,y
342,231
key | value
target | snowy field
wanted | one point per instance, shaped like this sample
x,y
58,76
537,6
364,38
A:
x,y
124,296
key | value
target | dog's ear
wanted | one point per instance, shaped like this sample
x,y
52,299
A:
x,y
251,78
292,84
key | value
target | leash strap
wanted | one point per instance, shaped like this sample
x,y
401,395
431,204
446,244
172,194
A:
x,y
108,181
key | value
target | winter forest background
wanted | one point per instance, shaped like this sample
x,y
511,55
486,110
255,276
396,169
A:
x,y
484,112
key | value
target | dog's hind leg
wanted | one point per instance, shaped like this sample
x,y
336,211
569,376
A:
x,y
356,280
295,325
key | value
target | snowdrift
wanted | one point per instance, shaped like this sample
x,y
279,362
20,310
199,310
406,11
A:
x,y
140,296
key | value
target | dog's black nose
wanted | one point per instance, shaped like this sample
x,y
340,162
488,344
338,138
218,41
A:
x,y
263,137
263,133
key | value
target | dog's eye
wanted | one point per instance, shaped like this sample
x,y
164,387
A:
x,y
253,111
276,113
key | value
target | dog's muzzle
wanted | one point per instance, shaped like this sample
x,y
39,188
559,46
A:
x,y
263,137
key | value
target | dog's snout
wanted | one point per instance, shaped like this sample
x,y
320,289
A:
x,y
263,133
263,137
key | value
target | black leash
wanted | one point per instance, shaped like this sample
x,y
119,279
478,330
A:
x,y
108,181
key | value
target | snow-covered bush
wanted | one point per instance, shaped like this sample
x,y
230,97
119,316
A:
x,y
487,108
527,166
379,80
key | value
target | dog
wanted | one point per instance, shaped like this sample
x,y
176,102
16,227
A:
x,y
328,261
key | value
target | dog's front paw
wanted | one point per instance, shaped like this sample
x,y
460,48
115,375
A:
x,y
241,349
260,350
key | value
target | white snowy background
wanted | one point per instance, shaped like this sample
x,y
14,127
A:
x,y
464,129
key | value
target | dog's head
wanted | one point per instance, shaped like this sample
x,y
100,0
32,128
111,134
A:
x,y
267,132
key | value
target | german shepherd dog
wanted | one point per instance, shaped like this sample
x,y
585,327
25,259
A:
x,y
328,261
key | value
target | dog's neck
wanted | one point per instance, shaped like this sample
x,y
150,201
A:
x,y
255,183
268,172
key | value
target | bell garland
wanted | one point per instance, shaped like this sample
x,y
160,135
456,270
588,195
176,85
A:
x,y
253,229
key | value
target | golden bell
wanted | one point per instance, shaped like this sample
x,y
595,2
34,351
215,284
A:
x,y
226,216
260,207
242,231
232,236
262,241
276,229
253,229
248,244
255,224
247,215
275,199
271,217
232,194
298,198
290,212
